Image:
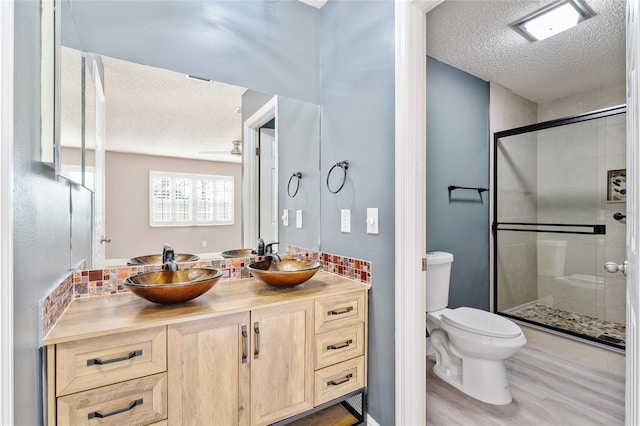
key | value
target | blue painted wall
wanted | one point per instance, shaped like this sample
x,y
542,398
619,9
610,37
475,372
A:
x,y
357,92
458,154
41,219
253,43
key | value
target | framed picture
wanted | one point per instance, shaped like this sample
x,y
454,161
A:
x,y
617,185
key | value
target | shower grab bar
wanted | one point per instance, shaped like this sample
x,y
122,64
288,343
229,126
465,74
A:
x,y
480,190
596,229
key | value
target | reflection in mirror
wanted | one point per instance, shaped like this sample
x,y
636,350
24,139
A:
x,y
71,91
147,110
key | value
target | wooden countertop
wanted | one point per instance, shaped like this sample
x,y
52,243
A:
x,y
98,316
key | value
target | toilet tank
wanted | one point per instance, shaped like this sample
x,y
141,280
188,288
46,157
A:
x,y
438,274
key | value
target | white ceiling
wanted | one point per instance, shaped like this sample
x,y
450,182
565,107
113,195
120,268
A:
x,y
178,116
474,36
155,111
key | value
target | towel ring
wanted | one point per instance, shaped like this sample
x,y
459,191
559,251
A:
x,y
298,176
344,165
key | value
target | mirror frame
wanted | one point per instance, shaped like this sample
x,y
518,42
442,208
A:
x,y
50,27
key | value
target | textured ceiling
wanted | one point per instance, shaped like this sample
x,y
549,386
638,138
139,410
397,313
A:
x,y
156,111
179,116
475,36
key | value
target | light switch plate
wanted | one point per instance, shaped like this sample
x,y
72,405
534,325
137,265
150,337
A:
x,y
298,218
345,221
372,221
285,217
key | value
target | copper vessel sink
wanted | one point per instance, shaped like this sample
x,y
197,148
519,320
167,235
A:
x,y
169,287
284,273
153,259
228,254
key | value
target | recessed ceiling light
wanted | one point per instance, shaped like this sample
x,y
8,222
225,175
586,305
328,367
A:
x,y
553,19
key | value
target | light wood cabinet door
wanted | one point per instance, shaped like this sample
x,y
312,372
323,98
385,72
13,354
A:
x,y
282,362
209,372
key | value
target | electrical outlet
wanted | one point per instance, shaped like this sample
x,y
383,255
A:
x,y
204,243
345,221
285,217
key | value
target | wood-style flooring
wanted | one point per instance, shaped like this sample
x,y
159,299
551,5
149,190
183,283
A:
x,y
546,390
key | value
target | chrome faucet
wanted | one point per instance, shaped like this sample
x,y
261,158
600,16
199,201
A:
x,y
260,247
168,258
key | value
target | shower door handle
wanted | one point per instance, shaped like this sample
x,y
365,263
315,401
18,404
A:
x,y
613,267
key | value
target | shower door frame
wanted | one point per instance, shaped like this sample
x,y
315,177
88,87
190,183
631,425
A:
x,y
597,229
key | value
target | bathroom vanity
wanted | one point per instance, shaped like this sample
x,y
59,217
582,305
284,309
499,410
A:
x,y
241,354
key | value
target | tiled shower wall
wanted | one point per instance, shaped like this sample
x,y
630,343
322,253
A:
x,y
83,282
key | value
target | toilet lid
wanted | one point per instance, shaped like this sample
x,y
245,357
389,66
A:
x,y
481,322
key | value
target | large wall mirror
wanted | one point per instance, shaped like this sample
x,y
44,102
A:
x,y
169,135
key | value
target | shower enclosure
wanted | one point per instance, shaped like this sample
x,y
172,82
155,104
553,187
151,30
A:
x,y
559,212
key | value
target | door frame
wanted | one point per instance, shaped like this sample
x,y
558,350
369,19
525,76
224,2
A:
x,y
250,207
6,210
410,210
410,226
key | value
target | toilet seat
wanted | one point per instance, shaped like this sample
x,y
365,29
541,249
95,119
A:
x,y
481,322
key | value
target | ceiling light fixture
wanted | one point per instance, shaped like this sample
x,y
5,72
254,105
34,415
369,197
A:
x,y
553,19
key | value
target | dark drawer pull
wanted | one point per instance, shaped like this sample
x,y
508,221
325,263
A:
x,y
344,311
129,407
345,380
344,345
256,350
245,341
98,361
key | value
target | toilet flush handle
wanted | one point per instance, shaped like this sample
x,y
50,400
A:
x,y
613,267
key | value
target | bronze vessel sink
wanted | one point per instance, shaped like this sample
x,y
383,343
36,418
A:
x,y
228,254
169,287
284,273
153,259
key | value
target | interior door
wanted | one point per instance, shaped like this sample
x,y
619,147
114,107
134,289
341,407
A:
x,y
268,186
632,403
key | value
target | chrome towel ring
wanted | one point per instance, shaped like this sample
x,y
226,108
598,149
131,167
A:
x,y
344,165
298,176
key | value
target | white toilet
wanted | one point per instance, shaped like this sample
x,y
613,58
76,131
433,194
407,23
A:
x,y
470,345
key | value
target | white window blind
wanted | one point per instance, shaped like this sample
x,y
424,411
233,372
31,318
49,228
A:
x,y
181,199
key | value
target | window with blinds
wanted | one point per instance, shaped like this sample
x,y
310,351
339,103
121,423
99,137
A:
x,y
182,199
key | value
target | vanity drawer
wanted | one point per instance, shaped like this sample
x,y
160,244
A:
x,y
340,379
135,402
339,311
99,361
340,345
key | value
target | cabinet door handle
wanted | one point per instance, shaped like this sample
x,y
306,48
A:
x,y
344,345
256,352
101,415
344,311
345,380
245,344
98,361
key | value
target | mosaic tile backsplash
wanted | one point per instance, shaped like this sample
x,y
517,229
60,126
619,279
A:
x,y
83,283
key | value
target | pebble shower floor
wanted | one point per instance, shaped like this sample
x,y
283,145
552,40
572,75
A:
x,y
595,328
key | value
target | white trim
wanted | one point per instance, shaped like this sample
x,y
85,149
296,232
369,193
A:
x,y
410,207
371,421
250,208
6,212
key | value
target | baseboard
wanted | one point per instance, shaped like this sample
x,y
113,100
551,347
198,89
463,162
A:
x,y
371,421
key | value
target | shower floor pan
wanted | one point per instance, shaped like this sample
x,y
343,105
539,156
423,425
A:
x,y
606,332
